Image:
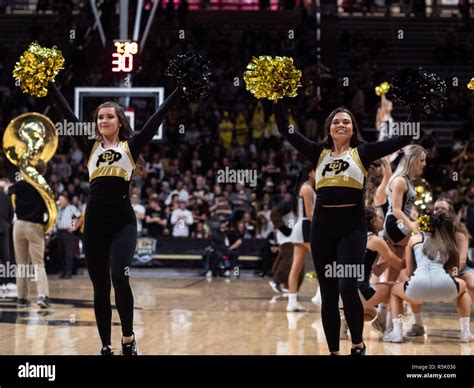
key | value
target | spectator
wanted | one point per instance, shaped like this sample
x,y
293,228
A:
x,y
201,231
6,218
155,218
181,220
240,199
139,210
264,227
29,241
225,245
69,220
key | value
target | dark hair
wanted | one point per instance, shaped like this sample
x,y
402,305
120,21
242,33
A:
x,y
302,178
460,227
65,195
370,215
374,179
125,130
356,138
442,241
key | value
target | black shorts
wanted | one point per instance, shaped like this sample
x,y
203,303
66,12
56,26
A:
x,y
366,290
394,231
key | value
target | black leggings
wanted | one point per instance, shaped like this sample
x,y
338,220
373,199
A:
x,y
109,246
339,234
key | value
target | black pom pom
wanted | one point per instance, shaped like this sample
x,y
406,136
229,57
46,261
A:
x,y
193,74
422,91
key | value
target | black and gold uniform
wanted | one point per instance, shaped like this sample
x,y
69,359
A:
x,y
110,231
338,234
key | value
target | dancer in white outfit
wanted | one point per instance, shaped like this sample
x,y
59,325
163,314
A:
x,y
300,234
434,257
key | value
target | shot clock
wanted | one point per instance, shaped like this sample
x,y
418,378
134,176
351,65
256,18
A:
x,y
123,58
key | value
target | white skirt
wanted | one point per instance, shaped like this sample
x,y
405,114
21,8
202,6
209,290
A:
x,y
301,231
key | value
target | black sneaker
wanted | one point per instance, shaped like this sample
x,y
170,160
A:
x,y
43,302
358,351
130,349
106,351
22,303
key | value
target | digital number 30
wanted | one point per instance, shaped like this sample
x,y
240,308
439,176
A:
x,y
122,62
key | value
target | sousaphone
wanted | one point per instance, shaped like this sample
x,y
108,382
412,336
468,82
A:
x,y
29,139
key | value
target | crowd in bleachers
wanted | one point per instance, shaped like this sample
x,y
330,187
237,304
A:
x,y
228,130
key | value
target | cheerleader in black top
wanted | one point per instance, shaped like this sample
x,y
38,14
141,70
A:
x,y
338,230
110,231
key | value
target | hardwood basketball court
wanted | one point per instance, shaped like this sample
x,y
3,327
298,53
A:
x,y
180,313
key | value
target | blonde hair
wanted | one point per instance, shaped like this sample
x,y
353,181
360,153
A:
x,y
412,154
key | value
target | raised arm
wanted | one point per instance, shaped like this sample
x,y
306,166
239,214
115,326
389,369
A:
x,y
63,106
308,148
61,103
381,193
369,152
142,138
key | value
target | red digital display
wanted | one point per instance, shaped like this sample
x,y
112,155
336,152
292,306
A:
x,y
123,57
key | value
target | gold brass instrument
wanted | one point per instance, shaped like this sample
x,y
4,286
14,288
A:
x,y
28,139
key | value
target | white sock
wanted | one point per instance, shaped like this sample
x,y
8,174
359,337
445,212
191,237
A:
x,y
418,319
398,325
382,312
318,294
389,323
292,298
464,322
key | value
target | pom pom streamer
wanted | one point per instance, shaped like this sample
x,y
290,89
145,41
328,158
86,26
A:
x,y
382,89
424,223
37,67
272,78
470,85
422,91
192,73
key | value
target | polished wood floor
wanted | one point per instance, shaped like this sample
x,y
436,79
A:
x,y
180,313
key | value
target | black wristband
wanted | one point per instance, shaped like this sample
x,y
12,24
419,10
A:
x,y
285,230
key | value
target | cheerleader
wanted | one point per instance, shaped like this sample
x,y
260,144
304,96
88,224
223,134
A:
x,y
300,234
430,259
377,183
338,230
383,118
402,195
378,257
465,271
110,232
398,225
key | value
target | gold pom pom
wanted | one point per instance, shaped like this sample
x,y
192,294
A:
x,y
272,77
382,89
424,223
37,67
470,85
